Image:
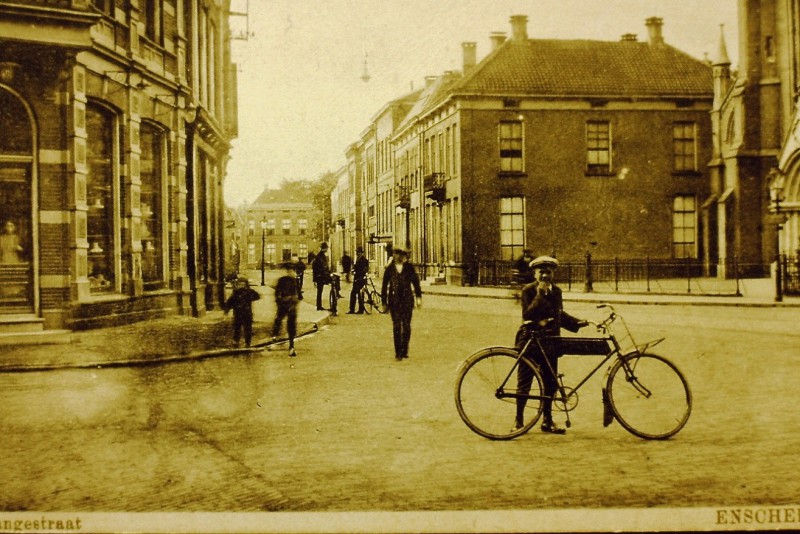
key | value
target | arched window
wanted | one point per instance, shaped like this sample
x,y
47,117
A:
x,y
152,143
100,128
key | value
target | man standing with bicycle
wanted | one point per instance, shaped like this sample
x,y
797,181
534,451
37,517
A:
x,y
359,281
542,309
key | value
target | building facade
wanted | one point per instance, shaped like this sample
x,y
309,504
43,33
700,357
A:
x,y
756,133
277,228
117,117
536,147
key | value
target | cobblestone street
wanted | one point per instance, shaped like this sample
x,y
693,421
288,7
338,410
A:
x,y
344,427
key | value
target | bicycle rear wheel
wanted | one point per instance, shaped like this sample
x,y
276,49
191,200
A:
x,y
375,297
482,381
649,396
368,304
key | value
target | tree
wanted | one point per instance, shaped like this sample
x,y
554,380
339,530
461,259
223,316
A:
x,y
321,189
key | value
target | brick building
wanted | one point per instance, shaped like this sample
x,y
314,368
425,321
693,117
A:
x,y
278,227
116,120
553,145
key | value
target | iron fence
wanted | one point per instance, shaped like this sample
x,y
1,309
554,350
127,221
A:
x,y
790,265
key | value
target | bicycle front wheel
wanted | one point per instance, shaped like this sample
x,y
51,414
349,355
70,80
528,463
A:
x,y
488,393
333,301
377,303
649,396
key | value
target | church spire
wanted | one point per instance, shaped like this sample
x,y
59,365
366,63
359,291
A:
x,y
722,58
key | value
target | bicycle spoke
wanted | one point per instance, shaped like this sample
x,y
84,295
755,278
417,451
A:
x,y
487,394
649,396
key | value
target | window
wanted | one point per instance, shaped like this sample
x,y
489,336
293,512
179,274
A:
x,y
152,179
270,226
251,228
302,250
100,130
104,6
270,254
152,20
598,147
512,227
251,253
303,226
287,226
684,227
684,136
286,252
511,146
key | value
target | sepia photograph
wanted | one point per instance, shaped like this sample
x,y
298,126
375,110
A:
x,y
399,266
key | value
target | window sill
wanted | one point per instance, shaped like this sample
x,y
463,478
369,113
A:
x,y
600,174
512,174
687,174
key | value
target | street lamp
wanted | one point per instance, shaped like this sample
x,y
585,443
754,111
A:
x,y
263,246
776,178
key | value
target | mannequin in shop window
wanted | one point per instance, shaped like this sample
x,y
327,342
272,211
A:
x,y
9,244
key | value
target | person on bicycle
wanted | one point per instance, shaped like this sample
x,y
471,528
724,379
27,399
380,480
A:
x,y
543,314
321,272
360,271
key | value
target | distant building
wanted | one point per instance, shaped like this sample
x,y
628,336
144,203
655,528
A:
x,y
277,227
116,123
234,241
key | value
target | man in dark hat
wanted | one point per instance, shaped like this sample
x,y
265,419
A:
x,y
359,281
542,310
401,292
321,272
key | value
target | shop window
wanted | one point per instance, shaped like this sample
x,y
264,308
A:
x,y
152,194
100,127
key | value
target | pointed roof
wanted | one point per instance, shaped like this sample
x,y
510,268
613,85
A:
x,y
553,67
722,58
270,198
429,97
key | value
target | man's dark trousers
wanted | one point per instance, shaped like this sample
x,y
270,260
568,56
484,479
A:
x,y
355,292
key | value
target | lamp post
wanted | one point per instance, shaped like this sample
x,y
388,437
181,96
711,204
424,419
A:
x,y
263,246
776,196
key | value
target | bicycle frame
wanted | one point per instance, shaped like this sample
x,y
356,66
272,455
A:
x,y
615,350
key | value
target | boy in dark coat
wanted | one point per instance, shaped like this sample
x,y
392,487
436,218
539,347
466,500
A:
x,y
241,302
286,300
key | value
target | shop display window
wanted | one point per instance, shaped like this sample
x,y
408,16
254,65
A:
x,y
100,199
151,173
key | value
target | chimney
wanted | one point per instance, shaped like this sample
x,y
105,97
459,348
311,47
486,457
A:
x,y
429,80
470,56
519,28
654,25
628,37
497,39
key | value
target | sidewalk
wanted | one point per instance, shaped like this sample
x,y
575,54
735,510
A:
x,y
178,338
158,341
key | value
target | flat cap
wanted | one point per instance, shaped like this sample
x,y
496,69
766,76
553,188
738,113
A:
x,y
541,261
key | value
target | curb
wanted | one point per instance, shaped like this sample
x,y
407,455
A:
x,y
166,359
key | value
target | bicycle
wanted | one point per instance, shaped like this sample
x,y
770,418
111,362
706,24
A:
x,y
372,297
335,294
644,392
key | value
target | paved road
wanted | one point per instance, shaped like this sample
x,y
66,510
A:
x,y
344,427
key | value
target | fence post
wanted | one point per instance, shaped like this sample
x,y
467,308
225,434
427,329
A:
x,y
616,275
588,286
647,271
569,277
736,274
688,276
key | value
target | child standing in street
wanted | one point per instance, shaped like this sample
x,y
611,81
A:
x,y
241,302
286,291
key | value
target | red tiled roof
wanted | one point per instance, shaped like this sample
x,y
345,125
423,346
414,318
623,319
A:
x,y
588,68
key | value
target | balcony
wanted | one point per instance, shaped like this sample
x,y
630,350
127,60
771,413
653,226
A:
x,y
435,186
402,196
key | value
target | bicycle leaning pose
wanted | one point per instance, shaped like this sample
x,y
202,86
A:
x,y
335,293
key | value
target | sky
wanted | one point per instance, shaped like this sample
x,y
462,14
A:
x,y
301,98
